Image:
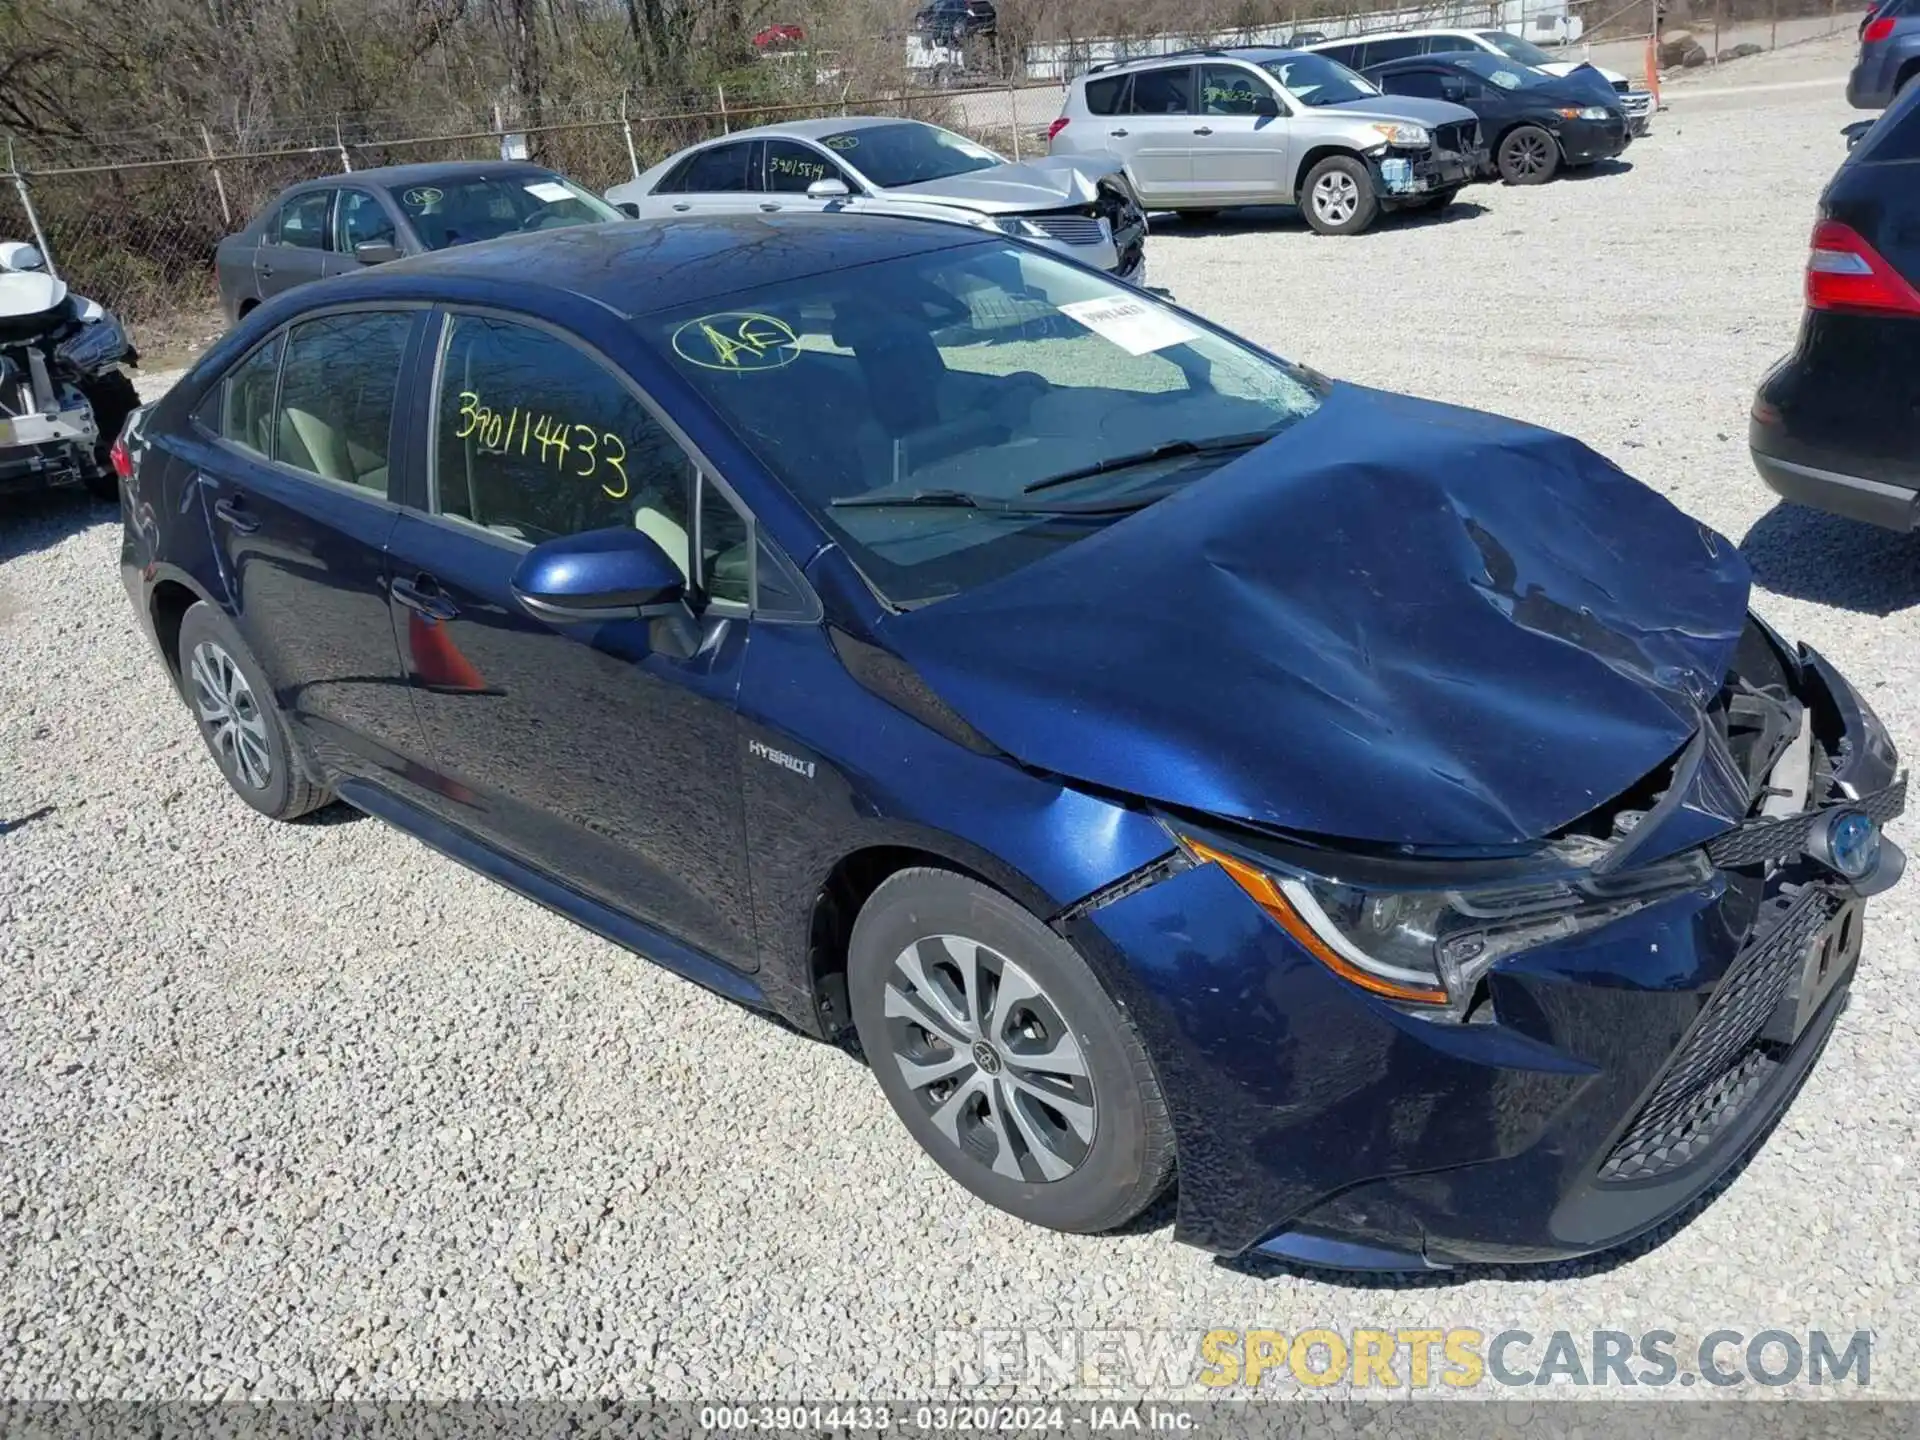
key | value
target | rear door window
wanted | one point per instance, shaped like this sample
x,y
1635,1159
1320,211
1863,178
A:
x,y
723,169
334,418
1428,83
1379,52
1163,92
302,221
1347,55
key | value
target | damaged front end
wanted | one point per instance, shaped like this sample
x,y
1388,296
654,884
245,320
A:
x,y
1418,160
1521,1057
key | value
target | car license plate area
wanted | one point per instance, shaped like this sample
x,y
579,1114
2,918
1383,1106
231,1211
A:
x,y
1829,958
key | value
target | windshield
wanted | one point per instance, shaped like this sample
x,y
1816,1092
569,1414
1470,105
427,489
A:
x,y
1507,74
1316,80
462,209
968,375
909,153
1514,48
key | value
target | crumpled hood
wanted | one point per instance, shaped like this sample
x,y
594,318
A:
x,y
1418,108
1398,622
1045,184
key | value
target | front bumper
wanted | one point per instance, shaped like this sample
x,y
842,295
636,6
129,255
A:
x,y
1616,1077
1408,177
1583,142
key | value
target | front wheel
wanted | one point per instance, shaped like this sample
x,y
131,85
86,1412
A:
x,y
1003,1055
1528,156
1339,196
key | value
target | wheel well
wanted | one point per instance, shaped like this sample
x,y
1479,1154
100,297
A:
x,y
245,307
1314,157
845,893
1907,72
171,601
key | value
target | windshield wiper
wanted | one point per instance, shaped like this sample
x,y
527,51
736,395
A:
x,y
991,504
1223,445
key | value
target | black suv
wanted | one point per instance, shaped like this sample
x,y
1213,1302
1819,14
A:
x,y
1833,424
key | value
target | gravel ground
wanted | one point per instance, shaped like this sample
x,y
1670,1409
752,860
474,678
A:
x,y
310,1111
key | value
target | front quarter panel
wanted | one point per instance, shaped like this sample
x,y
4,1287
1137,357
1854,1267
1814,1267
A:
x,y
830,769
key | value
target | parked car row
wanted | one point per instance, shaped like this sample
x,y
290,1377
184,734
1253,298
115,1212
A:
x,y
1198,131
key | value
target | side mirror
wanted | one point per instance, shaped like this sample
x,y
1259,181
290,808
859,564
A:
x,y
828,190
629,208
376,252
1266,106
617,574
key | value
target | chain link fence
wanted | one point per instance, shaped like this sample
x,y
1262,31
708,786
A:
x,y
133,224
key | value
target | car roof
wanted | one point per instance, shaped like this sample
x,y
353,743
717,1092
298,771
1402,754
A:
x,y
639,266
816,129
1407,34
422,173
1253,54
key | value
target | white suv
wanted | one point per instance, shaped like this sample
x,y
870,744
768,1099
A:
x,y
1358,52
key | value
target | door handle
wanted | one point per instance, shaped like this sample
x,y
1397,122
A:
x,y
1204,130
233,510
266,271
423,593
1116,132
768,205
683,205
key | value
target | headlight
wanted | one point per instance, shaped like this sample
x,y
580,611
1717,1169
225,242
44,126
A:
x,y
1414,137
93,346
1019,228
1590,112
1426,946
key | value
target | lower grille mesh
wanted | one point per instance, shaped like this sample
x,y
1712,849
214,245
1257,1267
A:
x,y
1722,1064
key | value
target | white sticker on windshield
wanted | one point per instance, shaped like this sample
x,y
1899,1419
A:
x,y
550,191
1136,326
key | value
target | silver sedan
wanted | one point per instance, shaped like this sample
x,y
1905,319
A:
x,y
1080,206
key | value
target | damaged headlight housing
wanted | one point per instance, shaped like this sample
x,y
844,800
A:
x,y
93,346
1412,137
1426,946
1018,227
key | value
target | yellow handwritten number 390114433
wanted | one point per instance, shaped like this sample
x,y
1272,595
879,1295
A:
x,y
556,439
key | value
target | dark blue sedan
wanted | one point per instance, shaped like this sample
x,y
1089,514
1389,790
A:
x,y
1386,816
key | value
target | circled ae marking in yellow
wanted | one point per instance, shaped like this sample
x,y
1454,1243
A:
x,y
738,341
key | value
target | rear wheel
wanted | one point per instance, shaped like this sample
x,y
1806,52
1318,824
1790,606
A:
x,y
241,725
1003,1055
1528,156
1339,198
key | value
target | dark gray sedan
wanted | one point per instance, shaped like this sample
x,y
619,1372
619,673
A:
x,y
328,227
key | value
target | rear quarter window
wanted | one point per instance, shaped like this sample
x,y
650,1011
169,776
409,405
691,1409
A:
x,y
1104,95
1897,136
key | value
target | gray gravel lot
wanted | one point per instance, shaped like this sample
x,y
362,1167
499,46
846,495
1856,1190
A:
x,y
308,1110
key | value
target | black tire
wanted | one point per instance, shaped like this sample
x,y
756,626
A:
x,y
1350,204
1126,1162
1528,155
112,398
285,792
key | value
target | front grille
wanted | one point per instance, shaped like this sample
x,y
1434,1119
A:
x,y
1723,1062
1772,842
1458,138
1070,229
